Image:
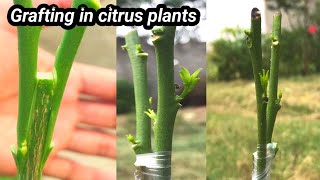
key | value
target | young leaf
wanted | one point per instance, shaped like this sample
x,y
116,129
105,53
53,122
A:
x,y
189,81
264,79
152,115
131,139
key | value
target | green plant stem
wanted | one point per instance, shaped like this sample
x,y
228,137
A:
x,y
138,60
163,40
35,151
40,97
28,40
65,56
273,103
254,44
168,101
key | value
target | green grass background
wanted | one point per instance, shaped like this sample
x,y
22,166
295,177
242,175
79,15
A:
x,y
232,130
189,148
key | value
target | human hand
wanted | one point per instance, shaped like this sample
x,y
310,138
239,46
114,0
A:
x,y
84,79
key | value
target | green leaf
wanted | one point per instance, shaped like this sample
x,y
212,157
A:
x,y
184,74
131,139
152,115
264,80
189,82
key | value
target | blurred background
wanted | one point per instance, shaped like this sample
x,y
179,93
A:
x,y
189,132
231,106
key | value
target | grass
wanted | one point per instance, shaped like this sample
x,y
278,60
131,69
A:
x,y
232,130
189,148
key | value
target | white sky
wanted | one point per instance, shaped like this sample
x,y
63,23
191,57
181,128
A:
x,y
229,13
220,14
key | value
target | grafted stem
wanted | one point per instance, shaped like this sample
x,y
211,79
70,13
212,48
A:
x,y
40,95
254,45
168,101
163,40
138,60
267,107
274,101
34,151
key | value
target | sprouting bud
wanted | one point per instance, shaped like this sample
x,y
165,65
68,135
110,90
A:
x,y
247,32
139,48
248,40
150,101
280,95
189,80
131,139
264,80
140,52
23,149
124,47
152,115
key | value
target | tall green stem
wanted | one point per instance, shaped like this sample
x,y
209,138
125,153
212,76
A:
x,y
168,101
168,105
28,40
40,96
274,102
138,59
254,44
163,40
65,56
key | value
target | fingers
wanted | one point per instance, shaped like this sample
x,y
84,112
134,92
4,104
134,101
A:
x,y
9,64
98,114
96,81
70,170
95,143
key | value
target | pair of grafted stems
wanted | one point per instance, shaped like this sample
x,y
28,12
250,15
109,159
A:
x,y
266,86
168,102
40,94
